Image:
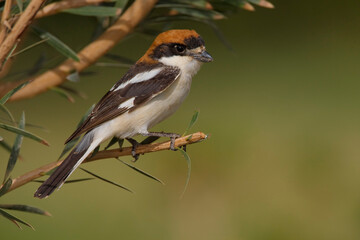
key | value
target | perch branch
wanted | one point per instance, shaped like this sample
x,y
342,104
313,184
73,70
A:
x,y
142,149
18,29
92,52
56,7
5,15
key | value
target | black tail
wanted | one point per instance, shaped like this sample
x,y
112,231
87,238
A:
x,y
72,161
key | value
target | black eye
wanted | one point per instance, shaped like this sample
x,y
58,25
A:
x,y
179,48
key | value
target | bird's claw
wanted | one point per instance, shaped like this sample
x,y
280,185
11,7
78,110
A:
x,y
134,144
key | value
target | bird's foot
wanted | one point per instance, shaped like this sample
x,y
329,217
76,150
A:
x,y
172,137
134,144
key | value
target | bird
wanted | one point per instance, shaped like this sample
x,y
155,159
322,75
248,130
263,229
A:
x,y
149,92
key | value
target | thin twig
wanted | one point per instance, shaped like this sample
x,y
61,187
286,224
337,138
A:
x,y
5,15
19,28
57,7
142,149
29,47
90,54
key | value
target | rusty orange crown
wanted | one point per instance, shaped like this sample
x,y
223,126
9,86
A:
x,y
171,36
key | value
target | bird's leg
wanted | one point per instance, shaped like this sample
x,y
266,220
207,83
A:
x,y
172,137
120,142
134,144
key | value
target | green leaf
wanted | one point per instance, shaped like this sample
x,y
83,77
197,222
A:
x,y
98,11
15,219
5,98
9,55
72,143
63,94
141,171
202,14
121,4
5,145
69,146
85,116
16,9
192,122
56,43
29,47
6,186
116,65
112,142
26,125
149,140
5,110
105,180
24,208
120,59
73,91
188,160
15,149
96,150
24,133
160,19
20,5
262,3
177,5
73,77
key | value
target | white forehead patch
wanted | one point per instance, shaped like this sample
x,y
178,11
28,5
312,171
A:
x,y
140,77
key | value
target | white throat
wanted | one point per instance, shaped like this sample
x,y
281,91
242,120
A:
x,y
187,64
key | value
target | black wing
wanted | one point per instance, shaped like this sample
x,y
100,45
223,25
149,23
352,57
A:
x,y
108,107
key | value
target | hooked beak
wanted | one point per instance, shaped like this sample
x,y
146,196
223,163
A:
x,y
203,56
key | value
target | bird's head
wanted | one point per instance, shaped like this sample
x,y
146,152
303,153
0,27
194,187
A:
x,y
174,45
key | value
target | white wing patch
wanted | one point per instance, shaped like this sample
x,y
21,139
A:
x,y
140,77
127,104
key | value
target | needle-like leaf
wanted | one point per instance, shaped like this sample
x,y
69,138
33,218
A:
x,y
96,150
188,160
5,110
262,3
192,122
99,11
56,43
112,142
15,219
69,146
202,14
141,171
73,76
20,5
24,208
121,3
63,93
15,149
149,140
105,180
5,187
6,97
24,133
5,145
72,143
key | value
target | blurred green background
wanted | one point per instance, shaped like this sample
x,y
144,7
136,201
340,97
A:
x,y
283,159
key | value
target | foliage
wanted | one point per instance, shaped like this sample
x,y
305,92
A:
x,y
164,12
14,155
